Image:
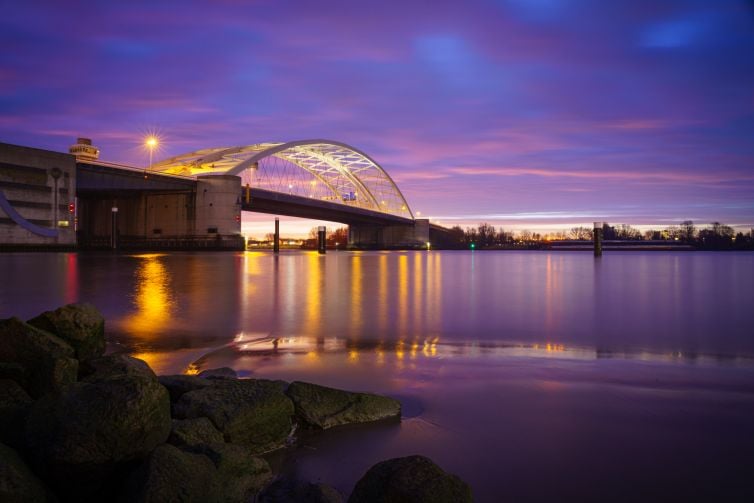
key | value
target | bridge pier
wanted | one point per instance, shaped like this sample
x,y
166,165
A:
x,y
322,240
389,236
204,214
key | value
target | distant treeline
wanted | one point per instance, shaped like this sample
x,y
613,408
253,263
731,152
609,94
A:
x,y
715,236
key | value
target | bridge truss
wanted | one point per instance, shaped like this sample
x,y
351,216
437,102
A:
x,y
321,169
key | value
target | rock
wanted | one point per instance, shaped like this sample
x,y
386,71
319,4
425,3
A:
x,y
49,361
117,414
80,325
240,474
253,413
221,373
171,474
324,407
14,372
413,479
194,432
284,490
179,384
14,406
17,483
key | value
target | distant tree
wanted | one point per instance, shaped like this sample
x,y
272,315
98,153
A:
x,y
504,238
653,235
270,236
581,233
471,236
486,235
626,232
339,236
687,232
525,235
717,237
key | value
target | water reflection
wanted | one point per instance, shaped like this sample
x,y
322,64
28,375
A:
x,y
71,278
153,299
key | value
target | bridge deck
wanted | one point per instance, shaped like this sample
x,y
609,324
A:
x,y
277,203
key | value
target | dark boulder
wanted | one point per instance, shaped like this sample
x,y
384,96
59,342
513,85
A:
x,y
179,384
14,406
47,359
285,490
17,483
173,475
254,413
324,407
221,373
14,372
116,415
194,432
240,474
80,325
414,479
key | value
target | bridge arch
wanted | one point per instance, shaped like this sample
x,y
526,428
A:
x,y
323,169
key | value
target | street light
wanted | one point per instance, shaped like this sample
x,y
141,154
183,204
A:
x,y
151,143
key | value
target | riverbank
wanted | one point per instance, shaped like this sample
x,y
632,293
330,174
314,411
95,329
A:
x,y
78,425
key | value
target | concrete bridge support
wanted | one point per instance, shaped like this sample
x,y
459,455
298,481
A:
x,y
414,235
208,216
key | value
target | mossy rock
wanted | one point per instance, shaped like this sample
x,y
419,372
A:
x,y
323,407
240,474
48,360
179,384
413,479
194,432
172,475
80,325
17,483
116,415
253,413
14,407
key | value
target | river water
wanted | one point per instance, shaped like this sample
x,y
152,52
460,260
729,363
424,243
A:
x,y
535,376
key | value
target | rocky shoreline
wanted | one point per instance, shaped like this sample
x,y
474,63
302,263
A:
x,y
78,425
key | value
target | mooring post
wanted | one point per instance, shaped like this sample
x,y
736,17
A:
x,y
114,228
321,237
276,243
597,239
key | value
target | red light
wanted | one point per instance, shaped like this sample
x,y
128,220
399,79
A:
x,y
238,218
71,208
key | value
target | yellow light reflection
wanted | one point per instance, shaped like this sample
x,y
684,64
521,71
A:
x,y
153,298
314,294
414,347
356,283
402,295
382,274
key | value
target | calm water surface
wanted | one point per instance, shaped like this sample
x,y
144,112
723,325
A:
x,y
534,376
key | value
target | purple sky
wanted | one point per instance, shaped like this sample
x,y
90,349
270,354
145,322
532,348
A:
x,y
523,113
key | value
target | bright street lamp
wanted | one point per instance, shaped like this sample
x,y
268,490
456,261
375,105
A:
x,y
151,143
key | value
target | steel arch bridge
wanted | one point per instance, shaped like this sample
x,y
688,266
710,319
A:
x,y
320,169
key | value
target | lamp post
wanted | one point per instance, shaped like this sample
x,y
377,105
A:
x,y
151,143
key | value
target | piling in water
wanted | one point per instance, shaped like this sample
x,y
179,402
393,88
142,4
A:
x,y
597,239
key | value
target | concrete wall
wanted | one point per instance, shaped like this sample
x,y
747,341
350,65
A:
x,y
140,215
206,216
28,183
218,205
